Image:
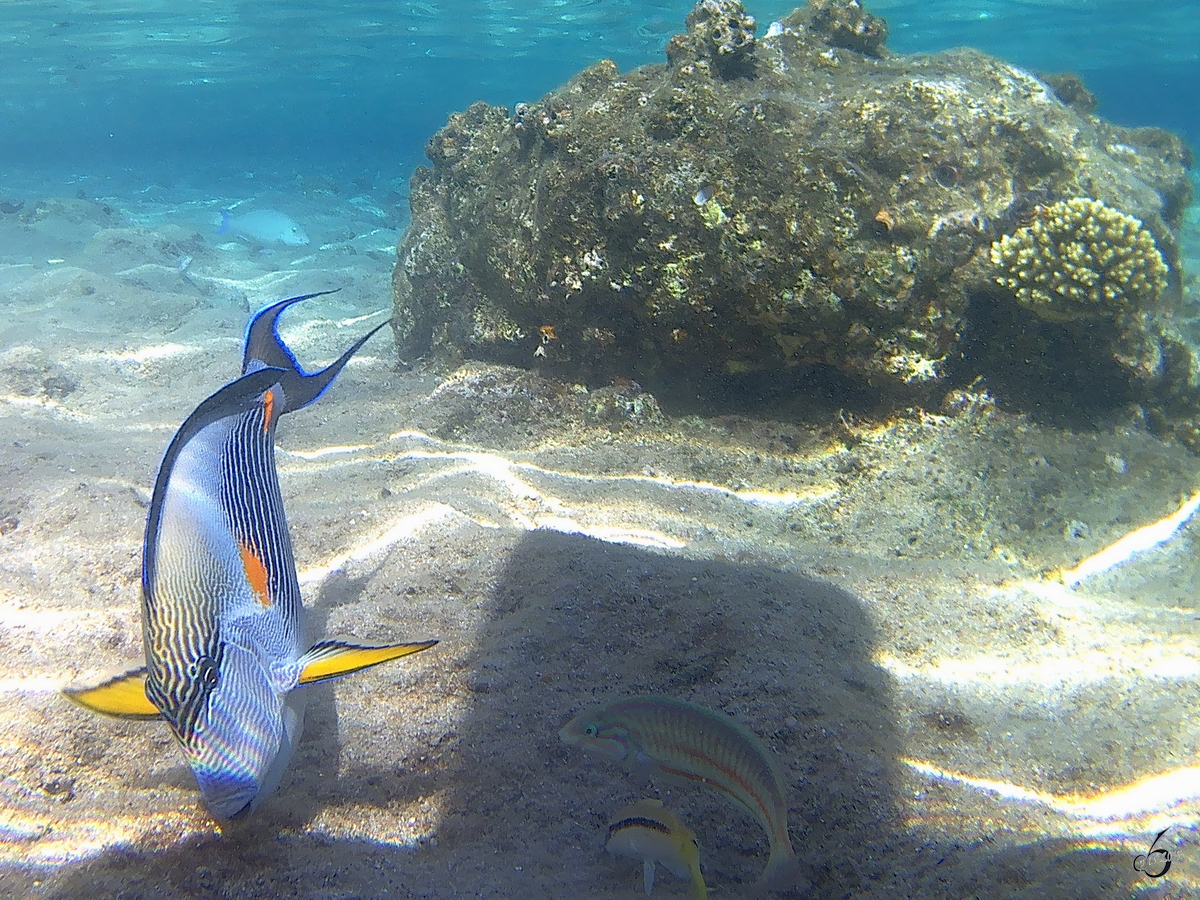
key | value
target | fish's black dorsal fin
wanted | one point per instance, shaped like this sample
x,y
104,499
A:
x,y
332,659
123,696
266,349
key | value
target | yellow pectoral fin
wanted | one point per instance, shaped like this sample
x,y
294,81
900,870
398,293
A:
x,y
123,696
331,659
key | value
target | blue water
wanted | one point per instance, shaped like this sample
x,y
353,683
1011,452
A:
x,y
127,126
226,84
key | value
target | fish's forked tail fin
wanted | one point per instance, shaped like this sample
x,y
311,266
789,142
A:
x,y
266,349
226,218
781,874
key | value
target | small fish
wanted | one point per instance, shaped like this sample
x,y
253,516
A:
x,y
264,226
652,834
221,611
688,744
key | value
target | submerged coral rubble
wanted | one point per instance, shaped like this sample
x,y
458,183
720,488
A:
x,y
804,202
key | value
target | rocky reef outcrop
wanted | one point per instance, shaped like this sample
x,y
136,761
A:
x,y
805,202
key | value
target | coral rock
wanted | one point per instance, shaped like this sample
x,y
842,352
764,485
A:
x,y
723,31
803,208
844,23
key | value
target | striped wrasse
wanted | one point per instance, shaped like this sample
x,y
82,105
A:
x,y
222,618
647,832
688,744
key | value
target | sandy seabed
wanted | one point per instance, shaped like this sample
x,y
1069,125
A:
x,y
883,604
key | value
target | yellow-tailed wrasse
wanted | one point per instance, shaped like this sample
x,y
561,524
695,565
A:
x,y
221,608
688,744
647,832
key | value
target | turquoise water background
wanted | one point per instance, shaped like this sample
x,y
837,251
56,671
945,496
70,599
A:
x,y
149,83
883,604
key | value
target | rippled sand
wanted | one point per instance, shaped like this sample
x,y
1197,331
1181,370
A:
x,y
883,603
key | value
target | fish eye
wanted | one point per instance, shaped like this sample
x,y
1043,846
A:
x,y
204,670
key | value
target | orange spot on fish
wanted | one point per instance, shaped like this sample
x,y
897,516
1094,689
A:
x,y
548,333
268,408
256,573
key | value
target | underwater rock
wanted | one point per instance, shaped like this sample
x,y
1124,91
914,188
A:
x,y
722,31
504,406
793,204
844,23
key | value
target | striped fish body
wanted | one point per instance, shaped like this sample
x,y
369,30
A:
x,y
687,743
221,606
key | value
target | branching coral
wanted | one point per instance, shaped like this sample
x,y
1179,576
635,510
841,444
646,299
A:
x,y
1081,259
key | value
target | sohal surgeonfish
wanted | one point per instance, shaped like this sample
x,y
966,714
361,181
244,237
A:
x,y
222,619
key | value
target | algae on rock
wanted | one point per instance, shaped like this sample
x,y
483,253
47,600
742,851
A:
x,y
801,202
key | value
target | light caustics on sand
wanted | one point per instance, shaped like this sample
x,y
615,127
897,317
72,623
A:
x,y
612,534
150,354
501,469
54,407
1133,544
403,528
752,497
321,325
488,461
49,841
504,471
508,473
320,452
407,526
1146,796
1149,658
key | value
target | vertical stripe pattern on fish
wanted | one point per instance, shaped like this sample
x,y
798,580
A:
x,y
222,616
687,743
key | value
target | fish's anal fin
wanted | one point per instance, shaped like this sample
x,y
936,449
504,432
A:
x,y
332,659
123,696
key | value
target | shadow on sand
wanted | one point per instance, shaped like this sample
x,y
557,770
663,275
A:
x,y
573,621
